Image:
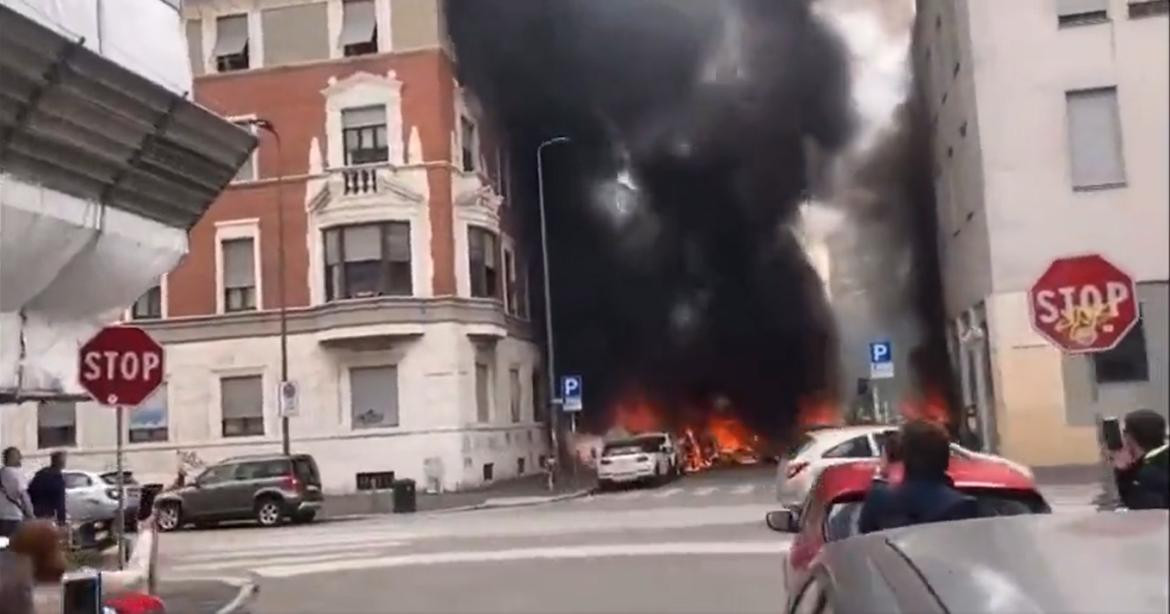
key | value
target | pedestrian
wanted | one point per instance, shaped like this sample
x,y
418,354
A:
x,y
1142,465
31,568
47,490
15,506
926,493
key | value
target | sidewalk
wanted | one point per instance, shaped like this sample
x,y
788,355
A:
x,y
528,490
210,596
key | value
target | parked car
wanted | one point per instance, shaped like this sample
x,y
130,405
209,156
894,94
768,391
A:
x,y
268,489
833,506
92,497
646,458
1074,563
798,469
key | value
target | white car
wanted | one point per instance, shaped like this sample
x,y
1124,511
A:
x,y
90,495
649,457
798,470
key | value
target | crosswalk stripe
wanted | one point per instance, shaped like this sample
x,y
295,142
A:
x,y
704,491
283,550
667,493
745,489
273,560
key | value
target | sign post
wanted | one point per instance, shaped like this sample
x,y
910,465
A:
x,y
881,366
120,366
572,389
1083,304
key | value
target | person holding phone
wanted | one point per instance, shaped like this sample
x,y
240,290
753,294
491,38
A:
x,y
1142,465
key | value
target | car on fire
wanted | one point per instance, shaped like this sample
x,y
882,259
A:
x,y
833,506
797,470
1081,562
645,458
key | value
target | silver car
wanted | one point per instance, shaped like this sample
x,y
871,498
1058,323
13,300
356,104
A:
x,y
92,496
1068,563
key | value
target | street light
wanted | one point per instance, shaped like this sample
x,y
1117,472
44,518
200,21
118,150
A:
x,y
267,126
548,314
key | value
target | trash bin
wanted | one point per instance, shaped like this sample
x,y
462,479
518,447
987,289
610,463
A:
x,y
404,497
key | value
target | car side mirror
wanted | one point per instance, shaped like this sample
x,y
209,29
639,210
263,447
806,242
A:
x,y
783,521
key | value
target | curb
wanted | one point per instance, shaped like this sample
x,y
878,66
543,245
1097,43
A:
x,y
526,502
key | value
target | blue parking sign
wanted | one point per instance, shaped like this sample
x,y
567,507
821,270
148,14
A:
x,y
572,389
881,359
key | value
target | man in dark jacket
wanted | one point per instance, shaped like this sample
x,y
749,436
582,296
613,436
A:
x,y
47,490
1142,467
926,493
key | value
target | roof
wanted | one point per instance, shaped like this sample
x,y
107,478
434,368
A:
x,y
259,457
1094,562
849,479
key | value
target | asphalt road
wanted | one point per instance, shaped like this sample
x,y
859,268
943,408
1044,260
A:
x,y
697,544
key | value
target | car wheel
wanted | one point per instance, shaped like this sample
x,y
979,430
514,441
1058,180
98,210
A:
x,y
269,512
169,516
304,517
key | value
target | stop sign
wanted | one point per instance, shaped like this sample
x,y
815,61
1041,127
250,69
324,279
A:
x,y
121,365
1083,304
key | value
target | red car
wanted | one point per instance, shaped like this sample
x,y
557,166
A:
x,y
834,504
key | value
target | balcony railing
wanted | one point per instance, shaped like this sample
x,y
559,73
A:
x,y
359,180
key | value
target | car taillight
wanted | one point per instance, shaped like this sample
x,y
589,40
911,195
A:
x,y
796,468
291,483
642,459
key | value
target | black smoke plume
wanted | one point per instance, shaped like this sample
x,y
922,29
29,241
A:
x,y
681,280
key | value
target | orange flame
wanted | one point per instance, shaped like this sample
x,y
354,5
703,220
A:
x,y
818,411
931,406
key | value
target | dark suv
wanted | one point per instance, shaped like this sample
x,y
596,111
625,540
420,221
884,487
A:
x,y
268,489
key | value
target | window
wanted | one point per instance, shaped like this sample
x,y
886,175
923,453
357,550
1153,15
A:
x,y
482,254
1147,8
76,480
247,170
148,422
363,132
858,447
239,275
242,404
509,282
468,142
488,471
231,43
537,401
520,466
263,470
1081,12
1094,133
373,396
359,29
367,260
148,306
483,408
521,284
514,380
56,424
217,475
1125,363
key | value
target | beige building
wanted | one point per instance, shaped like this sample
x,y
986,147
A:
x,y
1050,129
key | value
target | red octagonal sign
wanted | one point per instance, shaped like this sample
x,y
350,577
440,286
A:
x,y
1083,304
121,365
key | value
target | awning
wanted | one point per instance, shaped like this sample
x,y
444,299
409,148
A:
x,y
357,26
231,35
76,122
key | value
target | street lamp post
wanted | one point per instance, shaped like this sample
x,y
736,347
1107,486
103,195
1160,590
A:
x,y
554,421
267,126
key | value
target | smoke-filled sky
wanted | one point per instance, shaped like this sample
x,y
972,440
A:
x,y
695,125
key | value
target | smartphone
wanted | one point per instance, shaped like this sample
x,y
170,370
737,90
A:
x,y
82,592
1111,434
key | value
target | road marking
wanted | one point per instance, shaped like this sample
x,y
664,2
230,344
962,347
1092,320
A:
x,y
704,491
281,550
324,559
669,492
769,548
745,489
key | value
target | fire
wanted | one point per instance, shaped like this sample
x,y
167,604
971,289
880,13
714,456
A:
x,y
931,406
818,411
705,439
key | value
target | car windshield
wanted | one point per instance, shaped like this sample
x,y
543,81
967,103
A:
x,y
842,517
652,443
801,445
625,447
